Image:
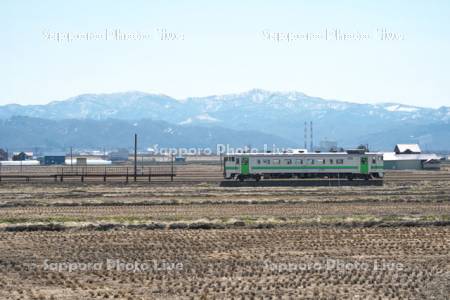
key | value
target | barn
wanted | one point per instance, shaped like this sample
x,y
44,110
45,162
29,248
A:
x,y
410,157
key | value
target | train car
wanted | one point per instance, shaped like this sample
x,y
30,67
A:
x,y
354,164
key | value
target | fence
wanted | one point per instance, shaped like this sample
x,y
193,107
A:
x,y
82,172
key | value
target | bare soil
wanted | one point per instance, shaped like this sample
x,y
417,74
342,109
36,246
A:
x,y
389,242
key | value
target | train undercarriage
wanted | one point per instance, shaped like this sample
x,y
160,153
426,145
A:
x,y
268,176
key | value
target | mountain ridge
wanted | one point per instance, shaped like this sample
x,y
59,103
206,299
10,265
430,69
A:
x,y
223,96
279,114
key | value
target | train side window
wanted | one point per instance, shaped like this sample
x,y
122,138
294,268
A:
x,y
288,161
258,161
331,161
276,161
374,161
311,161
237,161
266,161
299,162
324,161
339,161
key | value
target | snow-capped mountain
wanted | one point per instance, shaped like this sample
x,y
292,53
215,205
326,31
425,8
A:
x,y
278,113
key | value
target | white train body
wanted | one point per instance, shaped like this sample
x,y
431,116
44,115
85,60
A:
x,y
349,165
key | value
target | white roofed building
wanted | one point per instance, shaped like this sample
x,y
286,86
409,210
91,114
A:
x,y
410,157
407,149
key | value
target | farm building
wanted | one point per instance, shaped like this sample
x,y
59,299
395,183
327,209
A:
x,y
54,159
407,149
22,156
410,157
84,161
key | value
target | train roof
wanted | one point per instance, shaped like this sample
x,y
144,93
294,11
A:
x,y
300,154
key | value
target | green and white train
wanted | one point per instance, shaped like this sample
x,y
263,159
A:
x,y
353,164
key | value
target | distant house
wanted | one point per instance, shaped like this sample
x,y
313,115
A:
x,y
22,156
409,157
407,149
3,154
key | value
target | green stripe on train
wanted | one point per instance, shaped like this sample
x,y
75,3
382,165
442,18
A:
x,y
231,168
303,167
377,167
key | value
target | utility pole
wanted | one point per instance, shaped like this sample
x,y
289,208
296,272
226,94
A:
x,y
311,136
135,156
305,136
171,168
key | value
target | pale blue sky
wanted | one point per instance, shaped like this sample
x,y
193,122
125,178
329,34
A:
x,y
223,49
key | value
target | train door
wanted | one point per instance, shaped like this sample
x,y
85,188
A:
x,y
224,166
364,165
245,165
